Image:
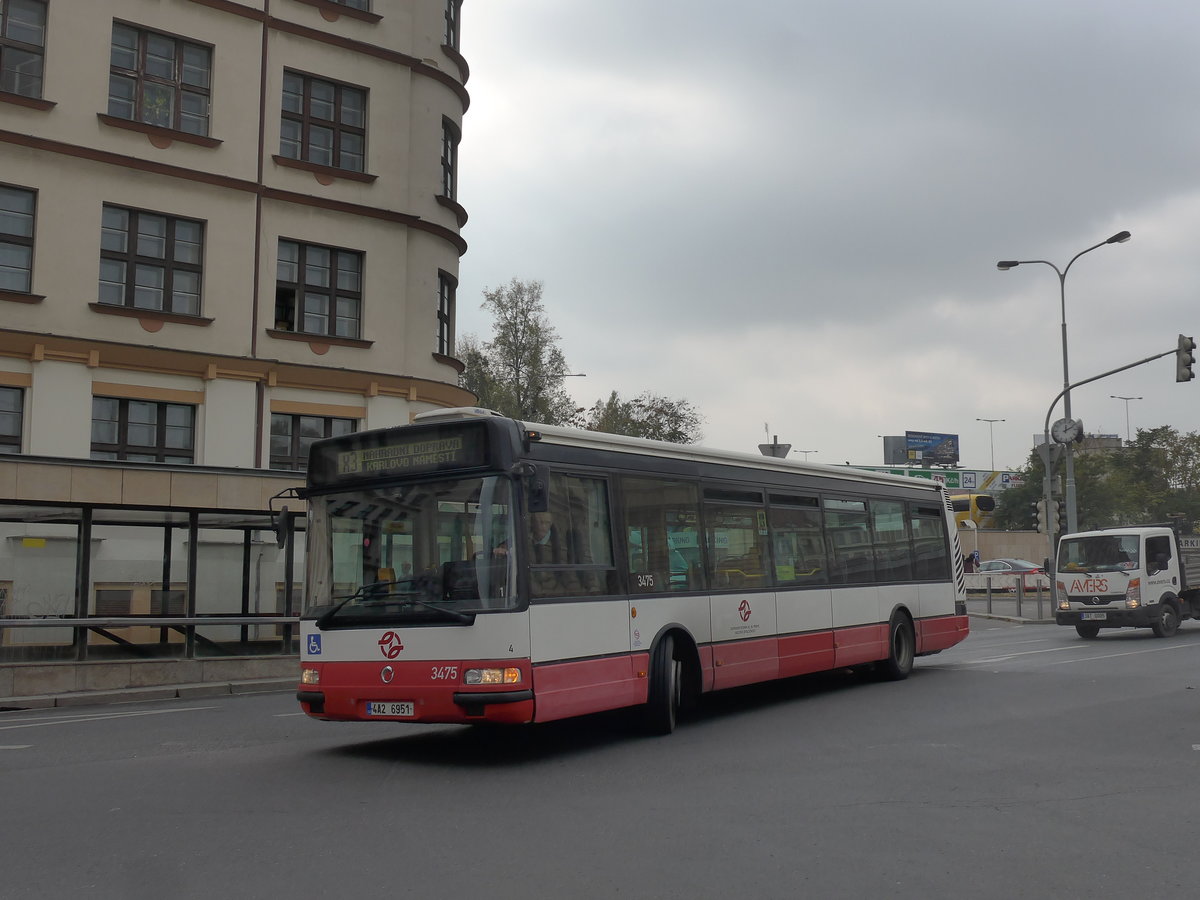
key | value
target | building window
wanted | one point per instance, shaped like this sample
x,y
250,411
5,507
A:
x,y
450,139
364,5
12,404
159,80
324,123
16,239
143,430
22,46
445,314
292,435
453,7
318,290
150,261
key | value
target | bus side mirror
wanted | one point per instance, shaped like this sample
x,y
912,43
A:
x,y
282,526
537,495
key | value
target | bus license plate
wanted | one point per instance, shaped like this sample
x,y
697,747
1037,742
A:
x,y
390,708
1094,615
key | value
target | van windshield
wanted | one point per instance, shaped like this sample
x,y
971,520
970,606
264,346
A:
x,y
1099,553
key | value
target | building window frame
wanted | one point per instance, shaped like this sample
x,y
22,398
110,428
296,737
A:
x,y
151,260
451,136
12,418
22,48
293,433
18,226
166,436
452,14
447,297
323,122
318,289
149,86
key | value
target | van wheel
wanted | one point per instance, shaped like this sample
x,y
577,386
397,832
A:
x,y
902,647
666,689
1088,631
1168,620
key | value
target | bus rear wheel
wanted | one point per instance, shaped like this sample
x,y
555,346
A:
x,y
666,689
902,647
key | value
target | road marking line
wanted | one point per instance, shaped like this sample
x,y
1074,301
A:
x,y
992,659
99,717
15,746
1126,653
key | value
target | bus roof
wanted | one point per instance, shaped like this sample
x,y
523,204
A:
x,y
600,440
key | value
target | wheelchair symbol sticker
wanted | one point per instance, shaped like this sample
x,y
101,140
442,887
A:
x,y
314,645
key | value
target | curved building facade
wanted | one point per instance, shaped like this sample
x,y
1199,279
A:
x,y
227,228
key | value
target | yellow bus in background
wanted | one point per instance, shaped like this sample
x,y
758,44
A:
x,y
976,507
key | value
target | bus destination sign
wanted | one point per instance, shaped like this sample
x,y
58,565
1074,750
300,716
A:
x,y
404,456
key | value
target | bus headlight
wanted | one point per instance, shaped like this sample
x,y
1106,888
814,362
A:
x,y
510,675
310,676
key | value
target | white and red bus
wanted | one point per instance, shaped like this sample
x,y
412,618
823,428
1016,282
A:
x,y
472,568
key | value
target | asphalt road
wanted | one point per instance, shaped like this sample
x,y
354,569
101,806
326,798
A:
x,y
1023,763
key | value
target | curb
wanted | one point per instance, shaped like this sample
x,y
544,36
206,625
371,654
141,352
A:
x,y
143,694
1017,619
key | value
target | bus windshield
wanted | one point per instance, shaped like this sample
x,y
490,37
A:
x,y
1100,553
423,551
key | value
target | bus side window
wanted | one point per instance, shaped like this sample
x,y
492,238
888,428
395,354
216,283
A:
x,y
661,535
571,543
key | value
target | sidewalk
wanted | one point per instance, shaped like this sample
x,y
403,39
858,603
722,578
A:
x,y
138,694
1003,606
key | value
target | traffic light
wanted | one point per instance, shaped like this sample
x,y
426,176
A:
x,y
1040,508
1184,359
1056,516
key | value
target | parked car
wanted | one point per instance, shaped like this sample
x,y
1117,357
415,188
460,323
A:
x,y
1007,566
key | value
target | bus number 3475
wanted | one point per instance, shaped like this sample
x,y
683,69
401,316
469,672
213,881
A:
x,y
444,673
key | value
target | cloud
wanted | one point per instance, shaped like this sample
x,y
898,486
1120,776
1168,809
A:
x,y
791,213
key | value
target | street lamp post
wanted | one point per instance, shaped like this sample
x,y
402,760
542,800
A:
x,y
991,442
1004,265
1128,440
805,452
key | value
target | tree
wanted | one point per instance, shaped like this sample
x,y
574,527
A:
x,y
1156,478
519,371
647,416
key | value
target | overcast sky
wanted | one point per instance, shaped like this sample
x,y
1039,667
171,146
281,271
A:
x,y
789,212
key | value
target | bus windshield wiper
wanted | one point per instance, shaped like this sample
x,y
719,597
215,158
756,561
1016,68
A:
x,y
326,617
384,591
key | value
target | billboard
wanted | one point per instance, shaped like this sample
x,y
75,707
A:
x,y
930,448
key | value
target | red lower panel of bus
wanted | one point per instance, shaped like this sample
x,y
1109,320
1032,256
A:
x,y
803,654
588,686
938,634
863,644
415,692
745,662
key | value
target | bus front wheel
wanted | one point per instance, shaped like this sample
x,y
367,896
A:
x,y
666,689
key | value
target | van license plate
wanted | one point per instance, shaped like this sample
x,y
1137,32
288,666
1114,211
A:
x,y
394,708
1093,616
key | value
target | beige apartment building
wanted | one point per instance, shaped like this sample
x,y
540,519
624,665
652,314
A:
x,y
227,228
